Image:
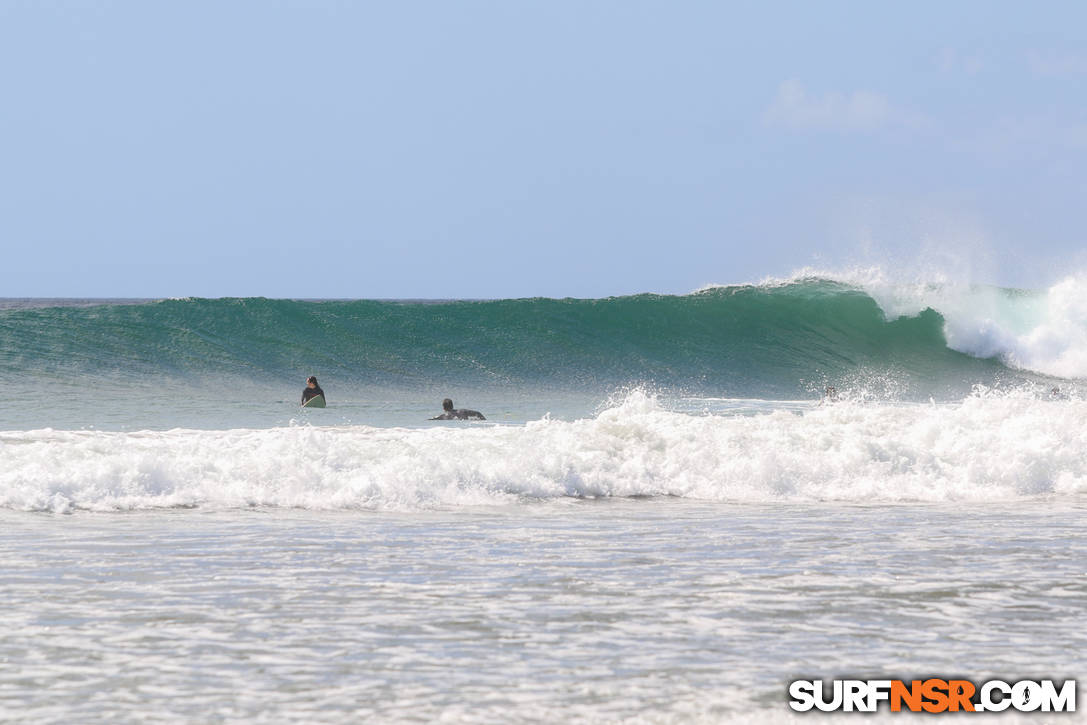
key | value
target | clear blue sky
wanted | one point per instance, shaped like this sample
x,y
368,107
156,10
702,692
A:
x,y
493,149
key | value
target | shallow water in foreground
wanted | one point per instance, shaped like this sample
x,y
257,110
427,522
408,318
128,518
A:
x,y
568,610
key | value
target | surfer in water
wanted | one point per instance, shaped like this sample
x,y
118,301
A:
x,y
312,389
458,414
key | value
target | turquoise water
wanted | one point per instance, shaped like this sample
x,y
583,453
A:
x,y
941,393
663,519
242,362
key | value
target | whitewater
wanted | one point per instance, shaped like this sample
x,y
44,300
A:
x,y
678,503
986,448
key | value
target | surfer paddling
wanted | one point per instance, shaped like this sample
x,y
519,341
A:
x,y
312,390
452,413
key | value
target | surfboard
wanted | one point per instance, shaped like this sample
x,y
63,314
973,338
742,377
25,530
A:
x,y
317,401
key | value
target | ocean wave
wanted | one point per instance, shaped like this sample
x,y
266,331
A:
x,y
779,338
988,447
1042,331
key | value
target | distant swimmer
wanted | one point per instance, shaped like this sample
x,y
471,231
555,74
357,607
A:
x,y
459,414
311,391
831,394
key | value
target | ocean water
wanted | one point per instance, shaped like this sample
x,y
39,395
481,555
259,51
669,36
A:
x,y
665,518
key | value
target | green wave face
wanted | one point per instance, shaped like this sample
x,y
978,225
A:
x,y
743,341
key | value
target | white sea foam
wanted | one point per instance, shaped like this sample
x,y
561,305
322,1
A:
x,y
985,448
1044,331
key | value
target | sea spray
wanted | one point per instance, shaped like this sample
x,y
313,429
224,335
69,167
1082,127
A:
x,y
757,341
987,447
1043,331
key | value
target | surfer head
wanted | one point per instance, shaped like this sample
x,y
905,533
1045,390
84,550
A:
x,y
311,381
452,414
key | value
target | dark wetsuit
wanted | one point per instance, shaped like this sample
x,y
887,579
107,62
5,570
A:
x,y
313,392
460,414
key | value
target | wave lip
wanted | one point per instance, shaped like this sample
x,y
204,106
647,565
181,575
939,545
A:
x,y
1041,331
779,338
987,448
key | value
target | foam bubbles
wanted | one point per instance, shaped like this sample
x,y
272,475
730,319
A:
x,y
988,447
1044,331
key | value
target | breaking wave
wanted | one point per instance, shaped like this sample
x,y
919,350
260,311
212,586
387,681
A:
x,y
987,447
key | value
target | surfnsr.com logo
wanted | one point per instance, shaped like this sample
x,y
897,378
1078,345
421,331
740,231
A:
x,y
932,695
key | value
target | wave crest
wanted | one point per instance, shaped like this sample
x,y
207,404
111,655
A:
x,y
768,340
988,447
